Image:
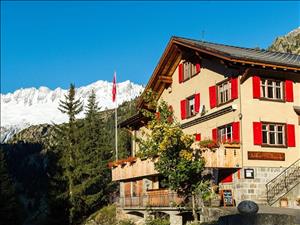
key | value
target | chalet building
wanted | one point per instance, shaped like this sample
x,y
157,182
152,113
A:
x,y
248,100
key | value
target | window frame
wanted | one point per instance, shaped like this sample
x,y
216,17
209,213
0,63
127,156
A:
x,y
192,69
265,89
188,111
220,135
227,80
284,134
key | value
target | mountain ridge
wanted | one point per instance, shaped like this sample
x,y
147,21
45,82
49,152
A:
x,y
32,106
289,43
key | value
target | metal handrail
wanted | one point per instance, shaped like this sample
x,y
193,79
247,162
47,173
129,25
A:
x,y
298,160
286,180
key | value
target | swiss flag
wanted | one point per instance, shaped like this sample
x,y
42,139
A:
x,y
114,89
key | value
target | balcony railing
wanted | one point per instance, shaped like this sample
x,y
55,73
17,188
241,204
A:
x,y
154,198
134,169
226,156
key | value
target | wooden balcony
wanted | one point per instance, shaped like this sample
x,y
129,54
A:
x,y
226,156
133,169
152,198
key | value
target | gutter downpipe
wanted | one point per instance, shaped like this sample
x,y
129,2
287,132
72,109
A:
x,y
241,122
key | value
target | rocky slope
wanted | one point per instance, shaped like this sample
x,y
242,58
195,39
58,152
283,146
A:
x,y
289,43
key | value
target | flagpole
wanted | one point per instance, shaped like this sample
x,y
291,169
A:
x,y
116,122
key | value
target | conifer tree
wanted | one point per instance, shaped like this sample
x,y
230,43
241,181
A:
x,y
9,206
96,152
68,141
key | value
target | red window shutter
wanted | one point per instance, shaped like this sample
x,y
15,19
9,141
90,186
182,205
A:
x,y
234,88
197,102
183,108
227,179
180,73
198,68
198,137
214,134
236,131
257,133
290,129
289,93
213,96
256,86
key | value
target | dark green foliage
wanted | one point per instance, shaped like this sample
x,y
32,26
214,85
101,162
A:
x,y
107,215
157,221
93,183
80,156
38,160
9,205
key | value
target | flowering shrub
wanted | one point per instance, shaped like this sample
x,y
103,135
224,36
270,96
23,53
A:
x,y
130,160
209,144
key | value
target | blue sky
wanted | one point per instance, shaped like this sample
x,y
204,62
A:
x,y
55,43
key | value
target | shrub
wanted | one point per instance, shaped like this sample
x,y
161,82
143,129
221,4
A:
x,y
157,221
126,222
107,215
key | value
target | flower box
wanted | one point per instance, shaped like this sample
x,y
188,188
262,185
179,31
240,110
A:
x,y
231,145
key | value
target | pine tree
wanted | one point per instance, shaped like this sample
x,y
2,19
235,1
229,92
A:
x,y
67,141
9,205
96,152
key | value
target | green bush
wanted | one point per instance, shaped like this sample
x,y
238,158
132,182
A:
x,y
157,221
126,222
107,215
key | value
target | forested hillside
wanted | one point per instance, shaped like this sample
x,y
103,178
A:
x,y
36,166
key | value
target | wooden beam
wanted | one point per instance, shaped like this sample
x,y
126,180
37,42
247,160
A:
x,y
165,79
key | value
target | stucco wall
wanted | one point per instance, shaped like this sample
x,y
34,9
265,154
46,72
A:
x,y
255,110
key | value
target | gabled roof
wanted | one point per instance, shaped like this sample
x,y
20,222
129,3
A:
x,y
248,54
245,57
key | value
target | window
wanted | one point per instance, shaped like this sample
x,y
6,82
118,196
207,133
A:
x,y
271,89
189,70
273,134
191,106
225,133
224,92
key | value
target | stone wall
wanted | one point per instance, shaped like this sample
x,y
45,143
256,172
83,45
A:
x,y
251,189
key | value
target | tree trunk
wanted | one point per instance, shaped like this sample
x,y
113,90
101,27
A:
x,y
194,207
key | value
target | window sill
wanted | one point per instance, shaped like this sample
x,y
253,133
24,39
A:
x,y
188,117
224,103
184,80
272,100
273,146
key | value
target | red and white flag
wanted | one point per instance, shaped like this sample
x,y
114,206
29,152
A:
x,y
114,89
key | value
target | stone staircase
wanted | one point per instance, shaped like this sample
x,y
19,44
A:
x,y
283,183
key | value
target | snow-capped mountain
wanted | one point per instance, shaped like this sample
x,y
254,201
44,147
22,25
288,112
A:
x,y
31,106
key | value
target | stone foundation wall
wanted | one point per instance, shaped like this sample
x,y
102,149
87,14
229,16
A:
x,y
251,189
